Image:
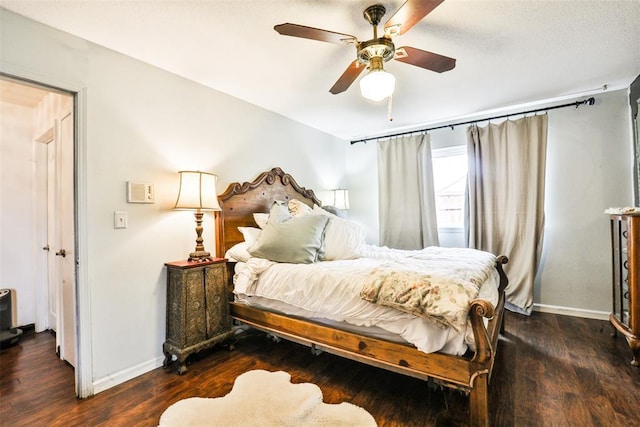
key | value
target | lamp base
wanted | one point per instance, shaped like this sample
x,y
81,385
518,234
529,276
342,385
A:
x,y
199,256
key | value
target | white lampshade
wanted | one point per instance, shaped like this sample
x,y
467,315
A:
x,y
341,199
377,85
197,191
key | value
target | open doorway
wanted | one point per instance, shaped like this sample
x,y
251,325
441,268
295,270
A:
x,y
37,194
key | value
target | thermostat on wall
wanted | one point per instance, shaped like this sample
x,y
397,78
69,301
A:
x,y
140,193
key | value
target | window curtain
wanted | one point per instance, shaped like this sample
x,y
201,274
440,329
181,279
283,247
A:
x,y
505,209
407,205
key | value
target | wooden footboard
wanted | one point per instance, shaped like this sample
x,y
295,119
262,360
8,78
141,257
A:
x,y
486,341
470,374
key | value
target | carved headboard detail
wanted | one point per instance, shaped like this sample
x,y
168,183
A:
x,y
240,201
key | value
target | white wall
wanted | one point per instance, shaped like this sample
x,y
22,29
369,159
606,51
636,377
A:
x,y
362,182
16,209
143,125
589,168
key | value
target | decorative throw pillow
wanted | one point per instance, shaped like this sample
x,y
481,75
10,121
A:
x,y
298,208
297,240
279,211
342,239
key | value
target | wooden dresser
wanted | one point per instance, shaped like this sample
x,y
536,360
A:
x,y
197,309
625,250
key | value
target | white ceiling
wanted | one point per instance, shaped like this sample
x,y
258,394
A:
x,y
509,52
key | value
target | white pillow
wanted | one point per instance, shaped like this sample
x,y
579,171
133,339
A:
x,y
298,208
261,219
238,252
250,234
342,238
337,212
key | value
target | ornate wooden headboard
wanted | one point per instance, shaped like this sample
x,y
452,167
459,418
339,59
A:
x,y
240,201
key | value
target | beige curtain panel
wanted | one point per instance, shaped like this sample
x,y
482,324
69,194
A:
x,y
407,206
506,199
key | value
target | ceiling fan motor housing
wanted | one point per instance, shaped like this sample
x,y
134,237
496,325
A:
x,y
381,47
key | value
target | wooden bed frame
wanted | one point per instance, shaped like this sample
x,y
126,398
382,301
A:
x,y
470,373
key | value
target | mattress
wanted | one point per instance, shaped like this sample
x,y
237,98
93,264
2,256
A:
x,y
329,292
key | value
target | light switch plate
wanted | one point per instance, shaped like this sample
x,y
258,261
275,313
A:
x,y
119,219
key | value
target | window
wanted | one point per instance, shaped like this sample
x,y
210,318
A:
x,y
449,181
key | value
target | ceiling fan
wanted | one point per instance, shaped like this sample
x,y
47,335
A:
x,y
372,54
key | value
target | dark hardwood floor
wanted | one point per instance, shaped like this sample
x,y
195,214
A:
x,y
551,370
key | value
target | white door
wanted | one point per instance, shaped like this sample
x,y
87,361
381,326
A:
x,y
65,242
52,148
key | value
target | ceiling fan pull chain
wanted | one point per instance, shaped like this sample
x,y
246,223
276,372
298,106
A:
x,y
389,105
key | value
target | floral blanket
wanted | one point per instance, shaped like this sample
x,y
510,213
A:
x,y
437,284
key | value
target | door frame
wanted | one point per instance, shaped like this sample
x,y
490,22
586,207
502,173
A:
x,y
84,362
634,103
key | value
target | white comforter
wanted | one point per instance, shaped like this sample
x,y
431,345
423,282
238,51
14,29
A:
x,y
331,290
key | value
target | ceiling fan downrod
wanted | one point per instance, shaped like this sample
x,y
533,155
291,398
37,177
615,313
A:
x,y
373,14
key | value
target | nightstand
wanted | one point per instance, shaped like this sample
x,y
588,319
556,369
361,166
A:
x,y
197,309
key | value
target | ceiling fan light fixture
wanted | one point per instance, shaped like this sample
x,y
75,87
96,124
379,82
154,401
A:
x,y
377,84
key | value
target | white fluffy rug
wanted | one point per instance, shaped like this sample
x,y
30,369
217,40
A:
x,y
262,398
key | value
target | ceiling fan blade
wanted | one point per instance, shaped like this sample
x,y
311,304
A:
x,y
424,59
348,77
408,15
301,31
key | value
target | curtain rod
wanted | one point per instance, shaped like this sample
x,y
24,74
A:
x,y
589,101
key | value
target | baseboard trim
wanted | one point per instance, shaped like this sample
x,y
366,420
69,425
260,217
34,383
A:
x,y
571,311
135,371
126,375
